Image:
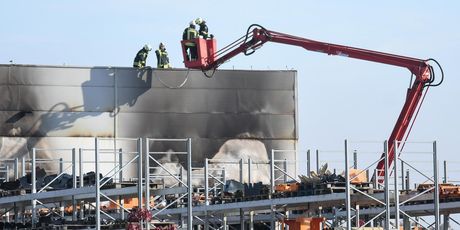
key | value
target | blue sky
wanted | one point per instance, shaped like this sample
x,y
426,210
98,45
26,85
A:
x,y
338,97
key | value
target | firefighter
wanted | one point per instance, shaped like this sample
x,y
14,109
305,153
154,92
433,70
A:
x,y
190,33
141,56
203,32
162,57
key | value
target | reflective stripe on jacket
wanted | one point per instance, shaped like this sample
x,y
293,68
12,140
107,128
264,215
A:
x,y
190,34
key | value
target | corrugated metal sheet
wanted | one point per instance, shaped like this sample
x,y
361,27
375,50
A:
x,y
54,101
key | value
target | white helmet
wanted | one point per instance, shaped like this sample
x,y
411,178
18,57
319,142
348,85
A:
x,y
192,23
162,44
148,47
198,21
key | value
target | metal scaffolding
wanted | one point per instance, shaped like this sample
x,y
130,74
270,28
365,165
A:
x,y
125,159
193,204
181,180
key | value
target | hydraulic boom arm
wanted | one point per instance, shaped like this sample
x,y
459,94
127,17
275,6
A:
x,y
424,74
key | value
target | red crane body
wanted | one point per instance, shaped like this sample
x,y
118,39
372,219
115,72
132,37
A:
x,y
208,59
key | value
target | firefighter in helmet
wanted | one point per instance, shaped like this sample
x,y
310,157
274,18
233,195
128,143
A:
x,y
203,32
162,57
141,56
189,34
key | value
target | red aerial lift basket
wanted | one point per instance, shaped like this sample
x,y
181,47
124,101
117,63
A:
x,y
206,48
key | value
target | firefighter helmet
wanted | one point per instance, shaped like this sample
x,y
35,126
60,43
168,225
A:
x,y
148,47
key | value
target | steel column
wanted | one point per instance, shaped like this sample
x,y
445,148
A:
x,y
139,172
357,215
387,188
206,191
402,176
98,182
120,167
242,227
224,218
74,184
375,182
34,188
80,165
251,220
407,180
272,172
308,163
189,184
61,165
225,222
23,165
396,191
444,180
147,177
6,171
446,223
206,181
285,178
16,177
16,168
61,169
317,161
120,176
347,188
436,187
7,179
181,176
355,159
16,214
249,171
224,180
272,186
406,220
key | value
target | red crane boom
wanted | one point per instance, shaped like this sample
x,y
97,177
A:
x,y
208,59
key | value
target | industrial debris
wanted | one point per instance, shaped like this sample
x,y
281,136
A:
x,y
49,182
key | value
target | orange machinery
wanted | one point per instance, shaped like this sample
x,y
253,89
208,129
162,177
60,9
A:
x,y
128,203
304,223
291,187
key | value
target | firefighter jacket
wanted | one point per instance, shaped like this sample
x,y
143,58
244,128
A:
x,y
204,30
140,59
189,34
162,59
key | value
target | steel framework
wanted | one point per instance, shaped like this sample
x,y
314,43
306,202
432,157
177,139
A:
x,y
348,207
